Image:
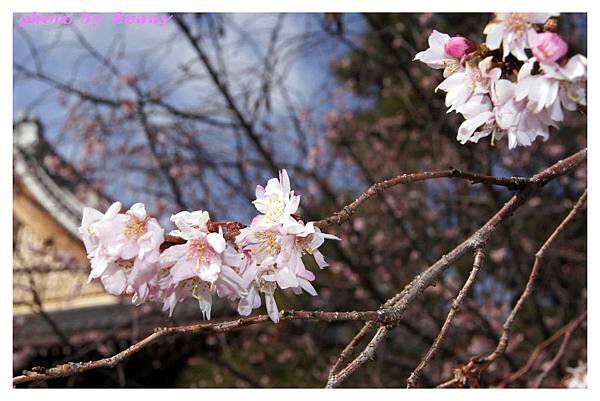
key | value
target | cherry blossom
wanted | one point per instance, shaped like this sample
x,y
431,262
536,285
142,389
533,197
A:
x,y
125,253
277,203
520,99
557,86
273,258
272,253
547,47
437,57
123,248
504,116
473,80
514,31
203,265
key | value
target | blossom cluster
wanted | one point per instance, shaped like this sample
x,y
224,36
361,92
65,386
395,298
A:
x,y
516,84
126,253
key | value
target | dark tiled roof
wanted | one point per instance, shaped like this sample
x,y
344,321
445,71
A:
x,y
53,182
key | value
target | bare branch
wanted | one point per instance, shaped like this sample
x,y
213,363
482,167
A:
x,y
397,305
414,376
350,348
507,327
366,355
344,215
71,368
561,350
541,347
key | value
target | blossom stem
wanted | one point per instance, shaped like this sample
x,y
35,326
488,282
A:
x,y
72,368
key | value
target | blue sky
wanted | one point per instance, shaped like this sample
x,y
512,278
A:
x,y
305,70
62,56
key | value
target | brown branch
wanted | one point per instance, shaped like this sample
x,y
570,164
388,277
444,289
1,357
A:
x,y
350,348
344,215
414,376
71,368
397,305
541,347
561,350
507,327
367,354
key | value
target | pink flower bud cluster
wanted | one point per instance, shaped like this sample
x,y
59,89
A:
x,y
124,250
498,102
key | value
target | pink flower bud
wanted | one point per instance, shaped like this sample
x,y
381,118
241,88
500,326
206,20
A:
x,y
457,46
548,47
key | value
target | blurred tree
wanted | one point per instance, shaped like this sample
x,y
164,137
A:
x,y
379,117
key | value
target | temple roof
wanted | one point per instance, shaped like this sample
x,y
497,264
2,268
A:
x,y
50,179
50,264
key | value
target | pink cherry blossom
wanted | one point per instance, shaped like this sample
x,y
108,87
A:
x,y
202,266
123,248
130,235
124,251
277,203
514,31
463,85
436,55
273,259
547,47
557,86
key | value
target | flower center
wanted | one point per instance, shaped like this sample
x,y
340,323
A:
x,y
164,273
451,66
134,229
476,78
195,285
267,243
517,22
275,209
199,251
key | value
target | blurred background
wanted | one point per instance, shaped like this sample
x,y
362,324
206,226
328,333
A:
x,y
194,114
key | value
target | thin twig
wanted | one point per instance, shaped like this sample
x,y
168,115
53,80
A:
x,y
72,368
42,312
561,350
540,348
478,365
508,324
344,215
350,348
366,355
397,305
414,376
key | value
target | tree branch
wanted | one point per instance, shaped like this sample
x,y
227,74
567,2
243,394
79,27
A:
x,y
414,376
507,327
390,313
541,347
344,215
71,368
561,350
397,305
